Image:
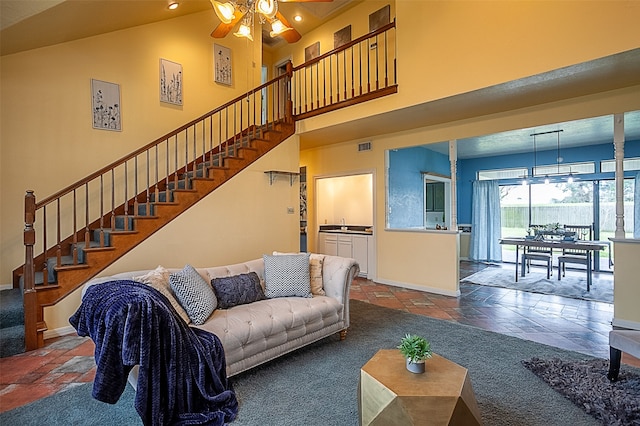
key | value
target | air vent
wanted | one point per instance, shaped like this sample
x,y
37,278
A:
x,y
364,146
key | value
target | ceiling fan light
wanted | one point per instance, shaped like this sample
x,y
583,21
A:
x,y
244,31
268,8
224,11
277,28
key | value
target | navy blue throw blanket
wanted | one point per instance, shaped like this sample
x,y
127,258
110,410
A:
x,y
182,378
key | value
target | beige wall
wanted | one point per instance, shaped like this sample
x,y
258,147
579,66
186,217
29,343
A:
x,y
345,197
626,292
47,140
446,48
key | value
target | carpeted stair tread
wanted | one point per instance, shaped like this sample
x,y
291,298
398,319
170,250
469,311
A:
x,y
182,184
11,309
11,322
162,197
11,341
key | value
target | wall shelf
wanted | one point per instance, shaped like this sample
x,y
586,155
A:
x,y
273,175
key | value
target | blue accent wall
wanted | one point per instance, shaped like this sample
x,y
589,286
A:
x,y
406,194
467,169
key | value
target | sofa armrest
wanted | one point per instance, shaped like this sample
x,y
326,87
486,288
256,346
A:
x,y
337,275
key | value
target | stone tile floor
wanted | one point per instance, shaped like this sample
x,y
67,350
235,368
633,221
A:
x,y
577,325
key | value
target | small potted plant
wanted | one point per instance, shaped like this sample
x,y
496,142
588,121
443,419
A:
x,y
416,350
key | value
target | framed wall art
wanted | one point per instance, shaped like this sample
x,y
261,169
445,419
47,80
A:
x,y
342,37
105,104
311,52
170,82
222,65
379,18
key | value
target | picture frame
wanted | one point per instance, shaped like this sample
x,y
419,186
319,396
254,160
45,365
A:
x,y
312,51
342,37
170,82
379,18
222,60
105,105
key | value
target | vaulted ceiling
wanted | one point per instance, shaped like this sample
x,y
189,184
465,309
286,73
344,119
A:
x,y
31,24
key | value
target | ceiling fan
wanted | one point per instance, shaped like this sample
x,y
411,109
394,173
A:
x,y
247,11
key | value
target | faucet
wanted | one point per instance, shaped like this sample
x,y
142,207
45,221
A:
x,y
343,224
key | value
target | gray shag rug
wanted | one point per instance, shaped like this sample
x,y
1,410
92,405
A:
x,y
573,285
585,383
318,384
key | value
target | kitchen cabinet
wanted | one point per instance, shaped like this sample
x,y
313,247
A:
x,y
345,244
358,247
360,252
328,243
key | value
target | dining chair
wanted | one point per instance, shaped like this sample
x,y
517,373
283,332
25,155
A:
x,y
542,254
575,256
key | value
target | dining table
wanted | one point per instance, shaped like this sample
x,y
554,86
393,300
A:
x,y
560,244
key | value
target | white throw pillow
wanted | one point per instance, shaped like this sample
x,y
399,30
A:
x,y
287,275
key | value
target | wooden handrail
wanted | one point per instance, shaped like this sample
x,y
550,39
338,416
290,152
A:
x,y
373,34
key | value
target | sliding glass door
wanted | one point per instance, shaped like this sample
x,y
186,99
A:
x,y
542,204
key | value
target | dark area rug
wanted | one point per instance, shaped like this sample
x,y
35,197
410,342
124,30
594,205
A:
x,y
585,383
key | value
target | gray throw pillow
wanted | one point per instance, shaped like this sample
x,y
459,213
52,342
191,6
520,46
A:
x,y
237,290
287,275
194,294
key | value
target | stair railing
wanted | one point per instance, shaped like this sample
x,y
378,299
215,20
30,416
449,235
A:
x,y
360,70
363,69
127,187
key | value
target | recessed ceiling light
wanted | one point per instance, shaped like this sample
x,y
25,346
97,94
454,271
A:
x,y
297,18
173,6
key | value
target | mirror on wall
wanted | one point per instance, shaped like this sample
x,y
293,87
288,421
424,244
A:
x,y
419,187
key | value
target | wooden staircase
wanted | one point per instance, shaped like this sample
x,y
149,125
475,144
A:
x,y
111,211
71,262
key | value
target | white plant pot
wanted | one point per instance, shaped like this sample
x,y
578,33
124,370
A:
x,y
415,367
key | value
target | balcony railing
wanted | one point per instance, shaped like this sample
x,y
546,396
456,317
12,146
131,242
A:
x,y
362,69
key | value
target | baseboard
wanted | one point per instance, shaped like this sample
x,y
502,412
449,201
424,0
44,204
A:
x,y
419,288
632,325
6,286
58,332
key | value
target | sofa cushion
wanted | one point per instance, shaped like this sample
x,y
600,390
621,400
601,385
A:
x,y
237,290
256,329
195,294
287,275
159,279
315,272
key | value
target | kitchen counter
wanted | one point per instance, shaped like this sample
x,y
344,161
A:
x,y
354,229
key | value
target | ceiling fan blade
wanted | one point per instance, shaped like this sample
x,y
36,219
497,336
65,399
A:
x,y
223,29
292,35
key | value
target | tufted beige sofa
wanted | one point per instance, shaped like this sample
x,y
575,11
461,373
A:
x,y
258,332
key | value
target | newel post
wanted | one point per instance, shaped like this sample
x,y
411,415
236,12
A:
x,y
289,101
29,292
